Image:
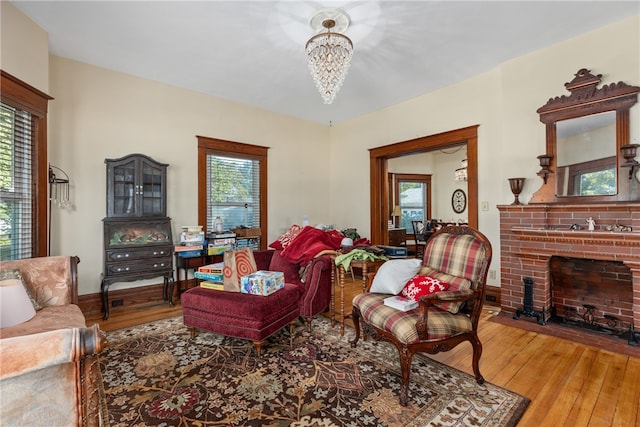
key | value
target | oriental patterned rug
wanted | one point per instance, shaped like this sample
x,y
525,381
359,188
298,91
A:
x,y
155,374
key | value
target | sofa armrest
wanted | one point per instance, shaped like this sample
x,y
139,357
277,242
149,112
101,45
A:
x,y
317,286
52,280
53,378
28,353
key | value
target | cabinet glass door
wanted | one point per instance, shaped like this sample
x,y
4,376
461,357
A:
x,y
152,195
124,189
136,187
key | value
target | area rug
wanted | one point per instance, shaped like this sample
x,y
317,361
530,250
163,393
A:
x,y
155,374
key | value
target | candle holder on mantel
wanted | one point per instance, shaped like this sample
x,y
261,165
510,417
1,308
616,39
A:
x,y
516,185
545,161
629,154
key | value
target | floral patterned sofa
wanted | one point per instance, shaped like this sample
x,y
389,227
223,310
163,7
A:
x,y
49,371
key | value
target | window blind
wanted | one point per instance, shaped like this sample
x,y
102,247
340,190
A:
x,y
233,191
16,183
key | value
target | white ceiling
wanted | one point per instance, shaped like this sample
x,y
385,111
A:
x,y
252,52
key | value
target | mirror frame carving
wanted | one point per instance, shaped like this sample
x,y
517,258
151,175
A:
x,y
585,100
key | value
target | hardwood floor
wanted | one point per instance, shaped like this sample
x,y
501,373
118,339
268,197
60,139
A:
x,y
569,384
135,315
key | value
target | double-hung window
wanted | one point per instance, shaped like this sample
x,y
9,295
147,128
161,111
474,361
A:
x,y
16,210
232,186
23,170
413,196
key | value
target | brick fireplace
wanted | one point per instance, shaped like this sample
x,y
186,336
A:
x,y
530,235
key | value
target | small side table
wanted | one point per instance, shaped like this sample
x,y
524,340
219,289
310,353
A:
x,y
338,270
190,263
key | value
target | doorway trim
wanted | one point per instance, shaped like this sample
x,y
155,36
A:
x,y
379,190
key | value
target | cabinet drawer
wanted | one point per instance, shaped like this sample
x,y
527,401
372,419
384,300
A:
x,y
139,266
137,253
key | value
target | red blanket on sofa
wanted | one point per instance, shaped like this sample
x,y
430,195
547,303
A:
x,y
309,242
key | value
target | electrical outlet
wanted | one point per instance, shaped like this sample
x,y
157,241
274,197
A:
x,y
484,206
492,274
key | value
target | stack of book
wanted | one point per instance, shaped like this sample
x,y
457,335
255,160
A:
x,y
401,303
221,242
191,241
211,276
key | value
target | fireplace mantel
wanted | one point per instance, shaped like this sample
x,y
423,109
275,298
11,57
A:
x,y
531,234
622,246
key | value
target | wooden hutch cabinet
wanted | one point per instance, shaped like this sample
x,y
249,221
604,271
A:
x,y
137,233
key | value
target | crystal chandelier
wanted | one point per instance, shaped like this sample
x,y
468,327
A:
x,y
329,57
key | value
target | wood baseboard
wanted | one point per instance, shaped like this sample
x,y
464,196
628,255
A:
x,y
492,295
123,298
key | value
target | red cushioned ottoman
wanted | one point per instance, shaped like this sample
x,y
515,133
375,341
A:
x,y
239,315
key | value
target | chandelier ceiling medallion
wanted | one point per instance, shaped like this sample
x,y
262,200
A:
x,y
329,53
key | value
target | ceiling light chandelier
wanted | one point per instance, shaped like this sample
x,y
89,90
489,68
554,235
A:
x,y
329,54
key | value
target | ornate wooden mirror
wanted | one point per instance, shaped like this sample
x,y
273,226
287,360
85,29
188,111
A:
x,y
587,146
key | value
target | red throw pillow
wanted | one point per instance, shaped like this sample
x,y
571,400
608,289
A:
x,y
423,285
283,241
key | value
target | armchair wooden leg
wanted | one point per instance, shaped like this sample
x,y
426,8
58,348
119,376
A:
x,y
355,315
405,370
477,352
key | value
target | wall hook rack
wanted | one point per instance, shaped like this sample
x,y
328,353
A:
x,y
58,187
58,194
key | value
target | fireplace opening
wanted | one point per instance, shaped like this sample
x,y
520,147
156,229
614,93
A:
x,y
592,294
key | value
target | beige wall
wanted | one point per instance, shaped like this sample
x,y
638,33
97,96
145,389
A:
x,y
475,101
100,114
503,103
24,47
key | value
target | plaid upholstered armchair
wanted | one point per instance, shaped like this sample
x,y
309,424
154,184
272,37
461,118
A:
x,y
457,258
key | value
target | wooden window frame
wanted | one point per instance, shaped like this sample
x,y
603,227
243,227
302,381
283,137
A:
x,y
207,145
420,178
19,94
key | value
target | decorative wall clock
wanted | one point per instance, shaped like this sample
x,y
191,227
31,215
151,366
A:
x,y
459,201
